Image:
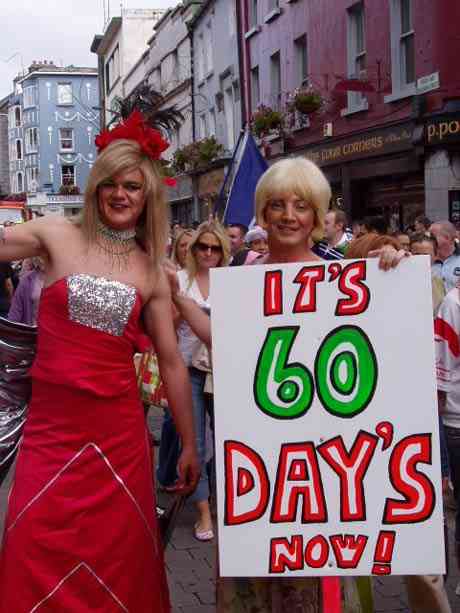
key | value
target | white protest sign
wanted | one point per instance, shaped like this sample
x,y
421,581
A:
x,y
327,442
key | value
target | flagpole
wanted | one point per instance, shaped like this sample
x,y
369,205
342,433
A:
x,y
220,198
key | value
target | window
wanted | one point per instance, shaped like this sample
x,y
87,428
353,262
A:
x,y
20,182
200,58
175,72
301,59
64,93
253,14
68,175
212,122
31,140
208,41
203,126
66,139
403,74
356,56
17,116
231,18
29,96
229,111
255,88
19,149
32,178
407,44
112,69
275,75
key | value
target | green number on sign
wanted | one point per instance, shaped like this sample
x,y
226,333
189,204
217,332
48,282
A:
x,y
282,390
346,371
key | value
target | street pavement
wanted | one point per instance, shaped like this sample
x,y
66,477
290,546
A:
x,y
191,565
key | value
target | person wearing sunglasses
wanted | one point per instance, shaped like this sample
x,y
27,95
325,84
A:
x,y
209,248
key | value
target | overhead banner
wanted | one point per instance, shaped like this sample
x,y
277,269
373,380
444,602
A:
x,y
327,442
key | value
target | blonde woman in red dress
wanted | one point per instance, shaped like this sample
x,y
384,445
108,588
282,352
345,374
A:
x,y
81,532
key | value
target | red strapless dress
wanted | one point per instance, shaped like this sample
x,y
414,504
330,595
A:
x,y
80,532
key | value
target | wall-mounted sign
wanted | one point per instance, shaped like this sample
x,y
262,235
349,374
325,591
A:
x,y
444,129
370,144
428,83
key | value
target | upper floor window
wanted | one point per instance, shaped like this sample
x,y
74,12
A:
x,y
407,44
175,68
356,55
203,126
255,88
231,18
64,93
20,183
253,16
229,111
301,59
200,58
29,96
32,178
403,75
208,48
17,116
212,123
19,149
112,69
31,140
275,76
66,139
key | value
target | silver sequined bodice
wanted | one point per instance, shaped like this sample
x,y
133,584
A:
x,y
100,303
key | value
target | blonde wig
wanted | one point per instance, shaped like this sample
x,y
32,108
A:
x,y
301,177
180,236
211,227
152,226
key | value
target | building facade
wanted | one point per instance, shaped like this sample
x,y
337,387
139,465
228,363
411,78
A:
x,y
170,73
120,50
4,148
53,120
387,131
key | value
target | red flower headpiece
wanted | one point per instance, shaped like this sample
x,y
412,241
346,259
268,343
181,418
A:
x,y
135,128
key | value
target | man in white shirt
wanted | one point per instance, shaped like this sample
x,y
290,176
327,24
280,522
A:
x,y
447,345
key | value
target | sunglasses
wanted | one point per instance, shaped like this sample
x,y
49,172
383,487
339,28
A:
x,y
206,247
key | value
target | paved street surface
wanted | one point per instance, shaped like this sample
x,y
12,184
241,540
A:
x,y
191,565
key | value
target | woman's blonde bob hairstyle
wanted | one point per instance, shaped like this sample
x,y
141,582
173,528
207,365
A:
x,y
301,177
152,227
211,227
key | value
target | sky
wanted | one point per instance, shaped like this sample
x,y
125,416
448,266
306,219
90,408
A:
x,y
58,30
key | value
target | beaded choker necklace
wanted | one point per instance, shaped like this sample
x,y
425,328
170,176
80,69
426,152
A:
x,y
118,244
116,236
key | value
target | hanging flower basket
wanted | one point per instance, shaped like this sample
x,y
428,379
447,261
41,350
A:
x,y
265,119
307,101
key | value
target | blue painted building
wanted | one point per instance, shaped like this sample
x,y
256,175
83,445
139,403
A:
x,y
53,120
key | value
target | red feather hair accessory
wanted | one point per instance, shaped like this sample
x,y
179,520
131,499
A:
x,y
135,128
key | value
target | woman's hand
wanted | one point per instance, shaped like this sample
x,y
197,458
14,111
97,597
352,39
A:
x,y
188,470
171,275
389,257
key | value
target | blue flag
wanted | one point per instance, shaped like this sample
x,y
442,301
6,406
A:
x,y
251,166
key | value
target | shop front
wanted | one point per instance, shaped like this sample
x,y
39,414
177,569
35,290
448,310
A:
x,y
377,172
442,166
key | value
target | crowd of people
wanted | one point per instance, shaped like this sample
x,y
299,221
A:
x,y
111,285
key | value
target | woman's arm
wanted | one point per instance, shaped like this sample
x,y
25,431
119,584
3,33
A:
x,y
22,241
175,377
187,309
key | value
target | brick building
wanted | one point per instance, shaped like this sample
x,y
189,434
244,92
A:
x,y
388,132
